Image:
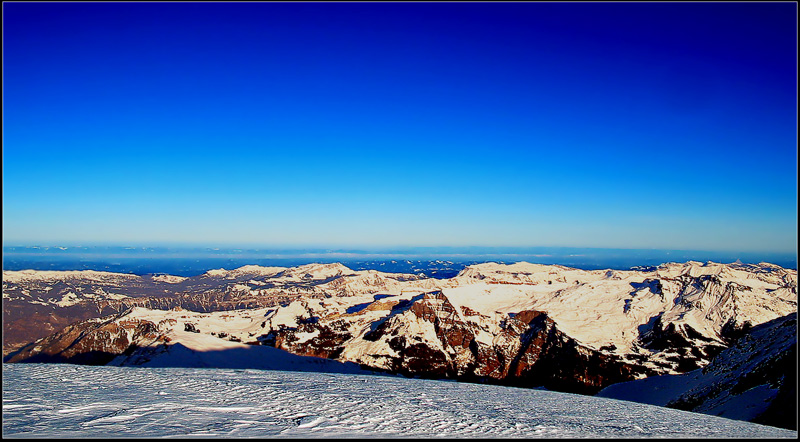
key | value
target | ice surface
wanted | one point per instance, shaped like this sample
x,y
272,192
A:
x,y
59,400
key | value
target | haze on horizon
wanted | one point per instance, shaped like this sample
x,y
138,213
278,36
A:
x,y
605,125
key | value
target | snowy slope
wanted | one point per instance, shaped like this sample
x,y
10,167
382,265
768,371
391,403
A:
x,y
201,350
58,400
609,307
742,382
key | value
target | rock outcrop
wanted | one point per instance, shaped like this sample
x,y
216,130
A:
x,y
92,342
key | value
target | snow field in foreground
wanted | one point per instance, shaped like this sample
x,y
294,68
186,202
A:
x,y
59,400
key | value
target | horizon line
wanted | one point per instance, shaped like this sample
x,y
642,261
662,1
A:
x,y
373,249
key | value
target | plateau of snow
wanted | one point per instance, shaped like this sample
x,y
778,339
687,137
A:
x,y
69,401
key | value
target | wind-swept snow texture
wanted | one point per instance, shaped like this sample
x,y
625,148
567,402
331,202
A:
x,y
60,400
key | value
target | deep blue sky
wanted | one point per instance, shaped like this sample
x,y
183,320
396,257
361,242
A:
x,y
664,125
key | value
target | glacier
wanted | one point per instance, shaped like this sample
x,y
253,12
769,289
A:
x,y
69,401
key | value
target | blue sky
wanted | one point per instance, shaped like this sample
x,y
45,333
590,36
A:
x,y
650,125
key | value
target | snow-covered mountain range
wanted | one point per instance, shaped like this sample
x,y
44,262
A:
x,y
51,300
522,324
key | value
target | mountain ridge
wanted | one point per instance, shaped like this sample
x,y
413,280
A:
x,y
506,323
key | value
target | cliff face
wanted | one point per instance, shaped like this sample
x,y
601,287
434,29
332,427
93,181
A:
x,y
428,336
93,342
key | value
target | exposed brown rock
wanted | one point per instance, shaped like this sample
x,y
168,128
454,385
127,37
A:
x,y
94,342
